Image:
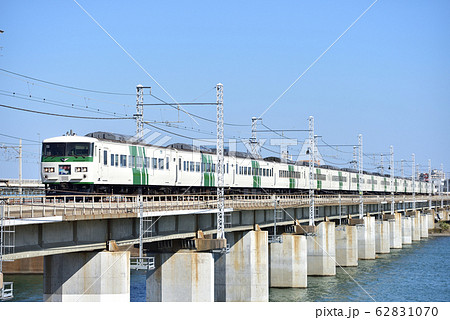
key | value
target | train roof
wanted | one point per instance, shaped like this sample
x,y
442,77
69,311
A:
x,y
72,138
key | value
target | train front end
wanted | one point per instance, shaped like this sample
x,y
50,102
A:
x,y
68,166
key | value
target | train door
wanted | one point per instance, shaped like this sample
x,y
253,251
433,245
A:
x,y
104,156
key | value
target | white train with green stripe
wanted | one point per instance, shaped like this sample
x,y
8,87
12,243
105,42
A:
x,y
108,163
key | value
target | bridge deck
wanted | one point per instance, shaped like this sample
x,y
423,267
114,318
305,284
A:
x,y
107,207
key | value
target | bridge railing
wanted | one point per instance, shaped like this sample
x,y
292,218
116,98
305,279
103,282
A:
x,y
103,206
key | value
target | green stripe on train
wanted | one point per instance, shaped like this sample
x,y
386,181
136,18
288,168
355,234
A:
x,y
68,159
208,177
319,182
140,175
291,179
256,177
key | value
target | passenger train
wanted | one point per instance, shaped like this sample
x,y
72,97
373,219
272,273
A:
x,y
107,163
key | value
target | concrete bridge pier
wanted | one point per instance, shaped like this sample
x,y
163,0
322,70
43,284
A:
x,y
346,246
242,274
288,262
424,225
431,216
395,231
382,237
87,277
183,276
415,226
366,238
322,250
406,230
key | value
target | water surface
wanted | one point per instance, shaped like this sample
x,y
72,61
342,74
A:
x,y
418,272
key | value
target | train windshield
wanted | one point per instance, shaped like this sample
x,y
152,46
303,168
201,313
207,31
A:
x,y
73,149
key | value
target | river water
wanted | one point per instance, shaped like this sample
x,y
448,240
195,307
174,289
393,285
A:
x,y
418,272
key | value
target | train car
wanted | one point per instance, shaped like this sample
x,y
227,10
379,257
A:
x,y
109,163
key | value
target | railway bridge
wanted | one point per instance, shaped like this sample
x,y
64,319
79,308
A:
x,y
270,241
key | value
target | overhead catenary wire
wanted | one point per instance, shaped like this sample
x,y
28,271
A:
x,y
315,61
58,103
197,116
62,115
130,56
66,86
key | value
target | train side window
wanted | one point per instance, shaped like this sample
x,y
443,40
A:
x,y
179,163
161,164
167,163
184,165
191,166
105,157
197,166
227,167
123,161
154,163
116,158
112,160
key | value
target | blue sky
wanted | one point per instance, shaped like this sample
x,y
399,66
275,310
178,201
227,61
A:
x,y
387,78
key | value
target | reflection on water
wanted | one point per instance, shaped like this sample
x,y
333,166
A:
x,y
417,272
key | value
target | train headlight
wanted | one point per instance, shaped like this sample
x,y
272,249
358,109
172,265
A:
x,y
84,169
77,169
49,169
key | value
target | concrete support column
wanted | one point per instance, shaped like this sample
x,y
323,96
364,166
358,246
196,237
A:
x,y
395,231
431,219
382,237
415,226
424,225
366,239
322,251
346,246
243,273
288,262
87,277
406,230
184,276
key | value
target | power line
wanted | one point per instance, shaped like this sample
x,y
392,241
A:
x,y
61,115
197,116
129,55
13,137
315,61
66,86
57,103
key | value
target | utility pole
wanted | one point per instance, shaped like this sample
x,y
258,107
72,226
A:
x,y
414,180
220,164
355,158
381,165
441,183
311,170
430,187
139,116
392,180
360,178
253,139
20,166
